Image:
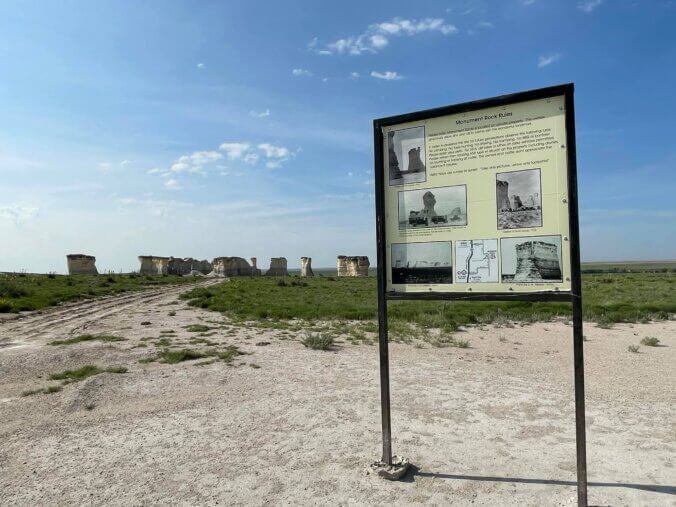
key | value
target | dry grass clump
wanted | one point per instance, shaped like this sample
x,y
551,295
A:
x,y
318,341
650,341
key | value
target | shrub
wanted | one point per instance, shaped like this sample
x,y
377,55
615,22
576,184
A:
x,y
197,328
650,341
633,348
318,341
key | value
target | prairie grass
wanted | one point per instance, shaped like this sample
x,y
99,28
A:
x,y
89,370
88,338
318,341
607,298
24,292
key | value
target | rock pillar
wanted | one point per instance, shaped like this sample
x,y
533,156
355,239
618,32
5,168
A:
x,y
80,264
306,266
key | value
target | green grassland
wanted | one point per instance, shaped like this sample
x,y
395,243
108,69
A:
x,y
23,292
607,298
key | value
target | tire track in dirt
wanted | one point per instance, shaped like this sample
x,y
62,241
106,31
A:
x,y
81,315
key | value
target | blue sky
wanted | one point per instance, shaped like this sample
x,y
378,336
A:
x,y
244,128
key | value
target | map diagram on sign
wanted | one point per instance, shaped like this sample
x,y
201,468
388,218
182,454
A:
x,y
476,261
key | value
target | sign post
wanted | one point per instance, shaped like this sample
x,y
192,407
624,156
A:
x,y
478,202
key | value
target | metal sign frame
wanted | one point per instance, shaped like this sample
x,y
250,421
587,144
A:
x,y
573,296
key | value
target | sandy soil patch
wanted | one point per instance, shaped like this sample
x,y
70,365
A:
x,y
488,425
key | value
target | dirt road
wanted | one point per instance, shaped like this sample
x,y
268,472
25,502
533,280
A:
x,y
489,425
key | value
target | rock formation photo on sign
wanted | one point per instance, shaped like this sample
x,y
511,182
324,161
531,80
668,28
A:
x,y
306,266
277,267
436,207
406,156
353,265
535,259
428,262
518,199
80,264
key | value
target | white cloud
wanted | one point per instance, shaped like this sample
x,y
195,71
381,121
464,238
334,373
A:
x,y
125,163
201,66
195,162
587,6
354,75
251,158
172,184
325,80
273,164
156,207
235,151
105,166
17,214
272,151
387,75
301,72
543,61
376,37
324,52
262,114
154,170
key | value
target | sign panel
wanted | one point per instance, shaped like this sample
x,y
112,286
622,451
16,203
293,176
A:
x,y
477,200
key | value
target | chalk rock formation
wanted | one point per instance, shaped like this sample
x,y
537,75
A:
x,y
306,266
277,267
151,265
353,266
415,163
231,266
537,260
516,202
183,267
80,264
503,195
395,172
254,268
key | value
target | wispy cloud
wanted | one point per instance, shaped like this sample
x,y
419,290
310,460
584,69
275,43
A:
x,y
354,75
125,163
104,166
543,61
195,162
587,6
301,72
172,184
377,36
235,151
201,66
156,207
261,114
17,214
388,75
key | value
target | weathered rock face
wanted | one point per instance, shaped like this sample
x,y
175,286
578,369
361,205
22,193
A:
x,y
537,260
254,269
502,188
183,267
415,164
306,266
80,264
277,267
353,266
231,266
151,265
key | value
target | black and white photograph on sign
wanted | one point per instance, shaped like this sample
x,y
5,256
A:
x,y
424,263
433,207
531,259
476,261
406,155
519,199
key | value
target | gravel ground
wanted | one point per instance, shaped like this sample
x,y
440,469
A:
x,y
489,425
